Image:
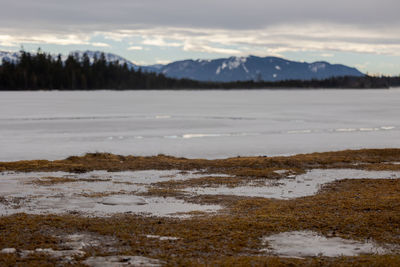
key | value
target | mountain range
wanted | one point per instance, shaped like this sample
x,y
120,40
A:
x,y
228,69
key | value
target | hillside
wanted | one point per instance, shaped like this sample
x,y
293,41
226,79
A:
x,y
231,69
256,69
43,71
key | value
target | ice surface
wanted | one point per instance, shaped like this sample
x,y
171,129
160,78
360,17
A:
x,y
310,244
117,261
8,250
65,254
162,238
303,185
55,125
107,194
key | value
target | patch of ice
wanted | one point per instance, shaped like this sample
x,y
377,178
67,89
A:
x,y
85,240
89,206
8,250
80,241
107,194
346,130
277,67
311,244
307,184
388,127
163,117
274,75
123,200
281,171
299,131
202,135
65,254
117,261
368,129
189,136
162,238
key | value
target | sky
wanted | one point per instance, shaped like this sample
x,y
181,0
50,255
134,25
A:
x,y
360,33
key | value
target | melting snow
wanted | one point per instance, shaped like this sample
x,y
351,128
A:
x,y
116,261
65,254
311,244
300,186
8,250
162,238
107,194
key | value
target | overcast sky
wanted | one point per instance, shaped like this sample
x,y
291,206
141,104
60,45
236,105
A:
x,y
361,33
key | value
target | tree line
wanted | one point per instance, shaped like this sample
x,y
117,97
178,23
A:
x,y
41,71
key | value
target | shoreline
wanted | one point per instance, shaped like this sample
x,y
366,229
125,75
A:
x,y
112,162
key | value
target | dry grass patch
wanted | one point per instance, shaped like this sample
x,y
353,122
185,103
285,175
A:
x,y
239,166
356,209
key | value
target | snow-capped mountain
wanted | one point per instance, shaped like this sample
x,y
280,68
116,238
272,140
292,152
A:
x,y
8,56
227,69
110,57
14,57
254,68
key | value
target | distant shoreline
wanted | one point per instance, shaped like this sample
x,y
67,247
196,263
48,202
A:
x,y
42,72
206,89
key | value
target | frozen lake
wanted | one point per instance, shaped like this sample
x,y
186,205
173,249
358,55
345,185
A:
x,y
206,124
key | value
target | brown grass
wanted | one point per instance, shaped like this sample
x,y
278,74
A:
x,y
240,166
357,209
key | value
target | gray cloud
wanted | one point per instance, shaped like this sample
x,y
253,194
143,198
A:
x,y
217,27
77,15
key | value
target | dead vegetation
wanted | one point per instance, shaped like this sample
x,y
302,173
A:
x,y
375,159
357,209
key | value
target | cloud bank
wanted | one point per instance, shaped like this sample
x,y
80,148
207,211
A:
x,y
215,27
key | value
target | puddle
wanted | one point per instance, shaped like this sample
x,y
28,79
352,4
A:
x,y
116,261
303,185
96,193
101,193
311,244
151,206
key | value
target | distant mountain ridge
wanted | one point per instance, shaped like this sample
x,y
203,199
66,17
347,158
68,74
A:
x,y
227,69
255,68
